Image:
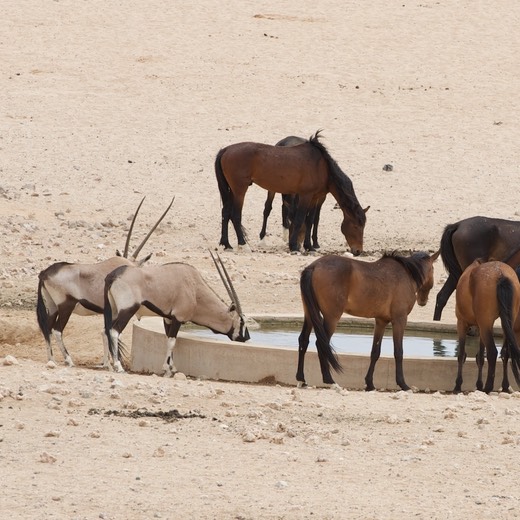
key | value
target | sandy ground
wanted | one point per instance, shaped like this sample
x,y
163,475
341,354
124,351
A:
x,y
102,103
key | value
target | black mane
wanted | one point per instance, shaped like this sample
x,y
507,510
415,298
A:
x,y
413,264
342,182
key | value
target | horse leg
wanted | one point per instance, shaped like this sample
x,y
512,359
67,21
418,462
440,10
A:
x,y
236,218
303,343
299,217
379,330
268,206
398,327
492,354
317,213
287,201
479,358
461,356
226,216
504,355
443,296
309,219
329,326
171,327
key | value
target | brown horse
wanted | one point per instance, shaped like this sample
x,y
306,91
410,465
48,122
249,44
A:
x,y
485,292
469,239
386,290
290,204
306,170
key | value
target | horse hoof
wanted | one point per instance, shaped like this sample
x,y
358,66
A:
x,y
301,384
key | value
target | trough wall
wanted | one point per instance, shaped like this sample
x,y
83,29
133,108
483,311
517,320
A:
x,y
253,363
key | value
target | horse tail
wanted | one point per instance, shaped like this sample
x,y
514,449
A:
x,y
505,294
447,252
226,194
325,349
42,314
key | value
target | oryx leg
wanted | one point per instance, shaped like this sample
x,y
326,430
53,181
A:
x,y
64,313
171,327
106,357
58,337
118,325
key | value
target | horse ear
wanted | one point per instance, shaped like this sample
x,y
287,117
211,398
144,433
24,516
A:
x,y
435,255
366,209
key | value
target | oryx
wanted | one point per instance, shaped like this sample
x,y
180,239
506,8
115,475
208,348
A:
x,y
177,293
65,288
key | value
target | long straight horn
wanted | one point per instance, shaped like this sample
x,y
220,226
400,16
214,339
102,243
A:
x,y
226,280
141,245
125,252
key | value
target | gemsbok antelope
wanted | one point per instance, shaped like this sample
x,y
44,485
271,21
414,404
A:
x,y
65,288
177,293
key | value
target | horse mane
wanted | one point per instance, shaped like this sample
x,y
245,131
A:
x,y
413,264
342,182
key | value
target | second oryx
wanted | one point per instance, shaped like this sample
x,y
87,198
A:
x,y
65,288
177,293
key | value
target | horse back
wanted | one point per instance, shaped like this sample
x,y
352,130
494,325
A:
x,y
477,298
380,289
296,169
484,237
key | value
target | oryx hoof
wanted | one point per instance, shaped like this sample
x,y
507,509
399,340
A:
x,y
118,367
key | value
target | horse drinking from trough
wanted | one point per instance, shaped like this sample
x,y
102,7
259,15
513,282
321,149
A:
x,y
386,290
485,292
306,170
469,239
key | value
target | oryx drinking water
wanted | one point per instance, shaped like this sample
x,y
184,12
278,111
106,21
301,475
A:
x,y
65,288
177,293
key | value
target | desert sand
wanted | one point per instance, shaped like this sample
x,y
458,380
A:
x,y
103,103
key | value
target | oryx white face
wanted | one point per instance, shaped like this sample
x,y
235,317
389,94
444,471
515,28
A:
x,y
239,330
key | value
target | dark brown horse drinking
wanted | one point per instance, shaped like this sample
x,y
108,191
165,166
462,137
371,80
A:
x,y
386,290
306,170
469,239
485,292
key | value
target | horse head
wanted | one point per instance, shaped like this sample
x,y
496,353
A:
x,y
353,229
424,289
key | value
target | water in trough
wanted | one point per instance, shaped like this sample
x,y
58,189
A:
x,y
358,341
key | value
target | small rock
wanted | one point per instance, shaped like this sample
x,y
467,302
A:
x,y
47,458
249,437
10,360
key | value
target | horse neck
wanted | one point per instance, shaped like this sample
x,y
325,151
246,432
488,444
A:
x,y
514,259
342,199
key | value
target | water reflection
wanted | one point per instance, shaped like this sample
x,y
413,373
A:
x,y
358,341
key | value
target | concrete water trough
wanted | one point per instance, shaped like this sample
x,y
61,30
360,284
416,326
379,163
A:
x,y
215,357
